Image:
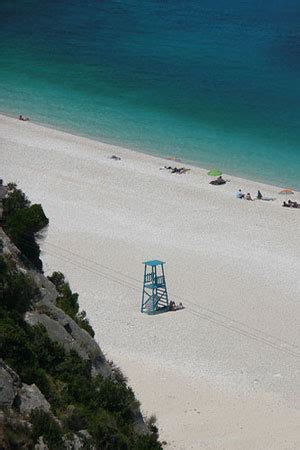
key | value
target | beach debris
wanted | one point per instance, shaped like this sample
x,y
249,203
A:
x,y
115,157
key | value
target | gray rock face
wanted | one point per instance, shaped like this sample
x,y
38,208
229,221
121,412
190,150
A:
x,y
9,383
61,328
11,389
31,398
59,325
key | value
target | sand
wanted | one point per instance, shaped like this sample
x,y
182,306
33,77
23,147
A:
x,y
224,372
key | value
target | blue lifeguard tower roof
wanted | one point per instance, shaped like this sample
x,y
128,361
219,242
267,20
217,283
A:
x,y
154,262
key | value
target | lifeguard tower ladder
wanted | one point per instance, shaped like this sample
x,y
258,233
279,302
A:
x,y
155,295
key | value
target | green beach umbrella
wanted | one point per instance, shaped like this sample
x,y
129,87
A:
x,y
214,173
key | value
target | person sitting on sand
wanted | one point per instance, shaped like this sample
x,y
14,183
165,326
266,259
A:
x,y
218,181
23,118
286,205
248,196
240,194
259,195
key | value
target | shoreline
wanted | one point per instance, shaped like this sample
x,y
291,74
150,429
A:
x,y
222,373
191,164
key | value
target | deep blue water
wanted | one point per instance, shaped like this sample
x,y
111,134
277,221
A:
x,y
215,83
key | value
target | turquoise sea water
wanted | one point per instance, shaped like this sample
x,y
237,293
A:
x,y
214,83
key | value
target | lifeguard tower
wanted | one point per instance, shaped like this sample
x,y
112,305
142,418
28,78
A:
x,y
155,295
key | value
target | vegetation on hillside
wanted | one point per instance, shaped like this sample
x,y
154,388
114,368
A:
x,y
104,407
22,222
68,302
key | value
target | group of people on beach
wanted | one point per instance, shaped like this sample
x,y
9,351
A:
x,y
247,196
174,307
259,196
290,204
218,181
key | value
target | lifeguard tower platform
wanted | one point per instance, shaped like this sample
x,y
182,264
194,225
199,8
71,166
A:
x,y
155,295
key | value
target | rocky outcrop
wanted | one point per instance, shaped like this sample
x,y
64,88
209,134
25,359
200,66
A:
x,y
9,383
30,398
61,328
23,397
59,325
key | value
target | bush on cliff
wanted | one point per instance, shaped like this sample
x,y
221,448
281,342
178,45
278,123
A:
x,y
101,405
22,221
68,302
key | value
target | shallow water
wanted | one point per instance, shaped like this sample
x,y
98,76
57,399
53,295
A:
x,y
214,84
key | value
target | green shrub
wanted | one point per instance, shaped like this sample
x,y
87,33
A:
x,y
44,425
14,201
75,419
15,349
84,323
106,433
22,222
114,397
18,291
147,442
102,406
68,302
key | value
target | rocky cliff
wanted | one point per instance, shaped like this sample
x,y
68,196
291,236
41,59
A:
x,y
19,400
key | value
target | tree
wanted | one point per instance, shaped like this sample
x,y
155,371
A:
x,y
22,221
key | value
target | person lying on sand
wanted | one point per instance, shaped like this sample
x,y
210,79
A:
x,y
176,170
116,158
291,204
218,181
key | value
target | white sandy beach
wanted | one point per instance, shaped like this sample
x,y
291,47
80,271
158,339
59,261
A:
x,y
224,372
